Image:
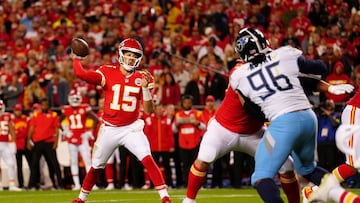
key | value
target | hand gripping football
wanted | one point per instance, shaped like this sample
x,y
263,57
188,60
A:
x,y
79,47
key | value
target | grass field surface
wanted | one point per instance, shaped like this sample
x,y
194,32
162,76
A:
x,y
134,196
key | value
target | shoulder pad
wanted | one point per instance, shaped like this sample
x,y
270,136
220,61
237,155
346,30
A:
x,y
109,66
290,51
235,77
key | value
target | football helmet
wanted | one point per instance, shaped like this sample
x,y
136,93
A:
x,y
250,43
2,106
134,46
74,98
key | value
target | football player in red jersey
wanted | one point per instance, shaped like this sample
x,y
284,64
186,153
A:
x,y
77,134
7,145
124,89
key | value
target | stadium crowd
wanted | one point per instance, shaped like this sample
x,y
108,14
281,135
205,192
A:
x,y
189,50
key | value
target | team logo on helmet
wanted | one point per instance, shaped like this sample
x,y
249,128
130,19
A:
x,y
241,43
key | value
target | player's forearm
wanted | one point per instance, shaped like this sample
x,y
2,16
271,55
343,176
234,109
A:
x,y
30,133
147,98
322,86
148,106
88,76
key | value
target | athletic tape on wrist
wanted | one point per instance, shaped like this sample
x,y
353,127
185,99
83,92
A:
x,y
146,94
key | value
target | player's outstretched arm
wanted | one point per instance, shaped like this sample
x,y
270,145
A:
x,y
92,77
323,86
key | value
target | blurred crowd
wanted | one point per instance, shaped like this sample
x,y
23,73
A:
x,y
188,47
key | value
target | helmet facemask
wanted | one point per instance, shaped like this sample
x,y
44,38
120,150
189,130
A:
x,y
129,62
75,100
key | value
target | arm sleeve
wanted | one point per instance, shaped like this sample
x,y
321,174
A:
x,y
92,77
309,84
316,67
252,109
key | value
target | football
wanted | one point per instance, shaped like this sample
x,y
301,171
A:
x,y
79,47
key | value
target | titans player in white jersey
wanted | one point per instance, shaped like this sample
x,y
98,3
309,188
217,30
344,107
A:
x,y
269,78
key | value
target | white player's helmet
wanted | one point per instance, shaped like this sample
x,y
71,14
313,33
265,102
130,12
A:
x,y
74,98
134,46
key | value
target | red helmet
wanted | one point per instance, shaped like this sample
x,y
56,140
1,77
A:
x,y
130,45
74,98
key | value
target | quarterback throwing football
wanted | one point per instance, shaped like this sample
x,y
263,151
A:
x,y
124,88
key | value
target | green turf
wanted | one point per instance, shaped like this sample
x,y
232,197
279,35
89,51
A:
x,y
134,196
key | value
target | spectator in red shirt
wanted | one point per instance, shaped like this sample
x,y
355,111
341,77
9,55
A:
x,y
158,128
170,90
300,24
43,140
209,109
189,126
338,77
21,126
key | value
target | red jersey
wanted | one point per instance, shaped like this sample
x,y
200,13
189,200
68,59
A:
x,y
45,126
5,119
159,133
21,127
77,121
355,100
122,95
231,115
206,115
189,134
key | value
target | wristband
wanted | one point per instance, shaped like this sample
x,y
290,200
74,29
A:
x,y
146,94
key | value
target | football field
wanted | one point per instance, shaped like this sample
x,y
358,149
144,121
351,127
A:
x,y
134,196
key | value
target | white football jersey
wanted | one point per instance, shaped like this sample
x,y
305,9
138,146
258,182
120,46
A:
x,y
274,84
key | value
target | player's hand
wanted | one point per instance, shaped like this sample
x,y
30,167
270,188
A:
x,y
88,135
29,145
55,145
146,76
340,89
74,56
66,133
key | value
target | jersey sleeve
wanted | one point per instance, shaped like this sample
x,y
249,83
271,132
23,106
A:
x,y
234,78
308,66
92,77
291,51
